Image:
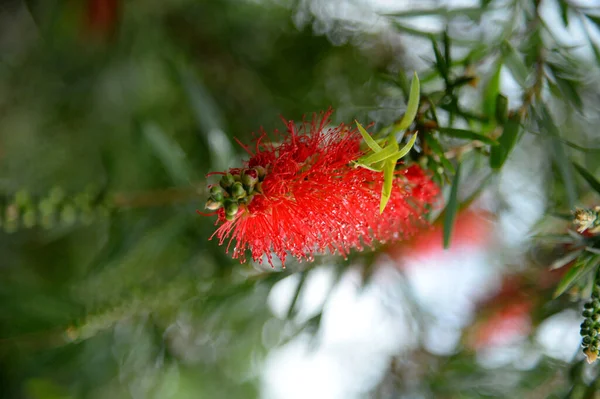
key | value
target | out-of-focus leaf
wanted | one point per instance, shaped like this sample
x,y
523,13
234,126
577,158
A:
x,y
514,63
568,88
447,54
506,142
169,152
595,49
471,12
413,104
559,154
589,178
565,260
501,109
388,180
583,265
491,93
414,31
451,209
595,19
564,11
437,149
467,135
368,139
440,63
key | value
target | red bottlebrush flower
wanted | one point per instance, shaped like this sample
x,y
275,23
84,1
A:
x,y
304,196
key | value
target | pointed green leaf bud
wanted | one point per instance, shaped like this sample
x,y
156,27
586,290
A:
x,y
237,190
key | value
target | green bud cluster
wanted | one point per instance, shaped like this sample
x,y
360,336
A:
x,y
590,327
235,190
24,210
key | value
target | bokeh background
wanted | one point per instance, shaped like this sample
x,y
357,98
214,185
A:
x,y
113,111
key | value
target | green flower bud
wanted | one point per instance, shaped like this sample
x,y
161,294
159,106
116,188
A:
x,y
212,204
227,180
258,187
584,332
250,178
586,323
261,171
231,209
237,190
587,313
216,193
596,316
588,305
586,341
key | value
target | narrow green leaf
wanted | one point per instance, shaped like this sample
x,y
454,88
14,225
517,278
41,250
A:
x,y
580,268
491,93
559,154
595,19
501,109
413,104
564,11
388,180
451,209
386,153
595,49
567,87
440,62
169,152
514,63
414,31
467,135
565,260
406,149
447,55
507,141
368,139
437,149
589,178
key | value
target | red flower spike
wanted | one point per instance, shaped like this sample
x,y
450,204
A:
x,y
310,199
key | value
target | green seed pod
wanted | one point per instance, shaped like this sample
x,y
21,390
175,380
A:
x,y
584,332
212,204
596,293
587,313
596,304
586,323
249,178
258,187
596,316
586,341
588,305
237,190
227,180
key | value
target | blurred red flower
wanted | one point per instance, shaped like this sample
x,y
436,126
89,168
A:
x,y
309,198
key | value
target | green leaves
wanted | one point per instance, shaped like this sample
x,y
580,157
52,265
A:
x,y
385,158
506,142
413,104
467,135
514,63
451,209
585,265
589,178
